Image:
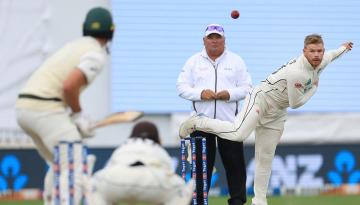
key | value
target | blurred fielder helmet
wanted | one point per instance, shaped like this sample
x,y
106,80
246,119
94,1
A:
x,y
99,23
146,130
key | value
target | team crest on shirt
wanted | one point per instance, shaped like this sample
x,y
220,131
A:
x,y
298,85
308,86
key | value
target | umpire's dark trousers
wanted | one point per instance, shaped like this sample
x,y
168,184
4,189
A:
x,y
232,156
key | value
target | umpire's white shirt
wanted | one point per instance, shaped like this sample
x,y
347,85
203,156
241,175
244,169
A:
x,y
228,72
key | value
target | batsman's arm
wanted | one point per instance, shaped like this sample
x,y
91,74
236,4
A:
x,y
91,64
71,89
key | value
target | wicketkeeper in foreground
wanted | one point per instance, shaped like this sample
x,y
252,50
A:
x,y
264,109
140,170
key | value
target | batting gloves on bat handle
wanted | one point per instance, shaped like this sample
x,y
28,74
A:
x,y
84,125
189,126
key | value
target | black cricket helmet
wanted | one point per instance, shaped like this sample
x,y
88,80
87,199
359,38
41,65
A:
x,y
99,23
146,130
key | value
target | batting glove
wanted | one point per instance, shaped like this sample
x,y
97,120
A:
x,y
84,125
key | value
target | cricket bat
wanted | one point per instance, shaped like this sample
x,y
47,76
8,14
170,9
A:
x,y
118,117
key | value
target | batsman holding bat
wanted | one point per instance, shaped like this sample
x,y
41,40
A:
x,y
139,170
42,106
264,110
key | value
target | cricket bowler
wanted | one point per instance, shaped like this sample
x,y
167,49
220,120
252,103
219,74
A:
x,y
265,108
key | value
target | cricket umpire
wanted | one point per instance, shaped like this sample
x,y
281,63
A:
x,y
215,80
48,107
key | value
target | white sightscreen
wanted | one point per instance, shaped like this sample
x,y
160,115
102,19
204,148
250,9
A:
x,y
154,38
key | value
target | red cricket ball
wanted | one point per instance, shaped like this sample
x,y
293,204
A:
x,y
235,14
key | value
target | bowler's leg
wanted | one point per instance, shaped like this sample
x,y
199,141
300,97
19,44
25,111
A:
x,y
244,123
266,140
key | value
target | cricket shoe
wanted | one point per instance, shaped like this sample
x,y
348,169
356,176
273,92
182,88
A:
x,y
189,126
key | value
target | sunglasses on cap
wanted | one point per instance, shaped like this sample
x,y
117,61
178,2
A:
x,y
215,28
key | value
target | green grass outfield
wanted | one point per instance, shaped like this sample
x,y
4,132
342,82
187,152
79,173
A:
x,y
283,200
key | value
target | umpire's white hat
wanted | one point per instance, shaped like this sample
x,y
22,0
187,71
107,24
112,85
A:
x,y
214,28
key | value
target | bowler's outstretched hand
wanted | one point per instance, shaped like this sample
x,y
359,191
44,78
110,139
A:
x,y
348,45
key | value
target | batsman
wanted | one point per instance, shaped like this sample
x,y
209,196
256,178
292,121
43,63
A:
x,y
48,107
265,108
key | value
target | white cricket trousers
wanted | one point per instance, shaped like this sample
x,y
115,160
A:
x,y
260,114
46,130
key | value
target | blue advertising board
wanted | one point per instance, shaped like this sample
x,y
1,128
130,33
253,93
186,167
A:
x,y
293,166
